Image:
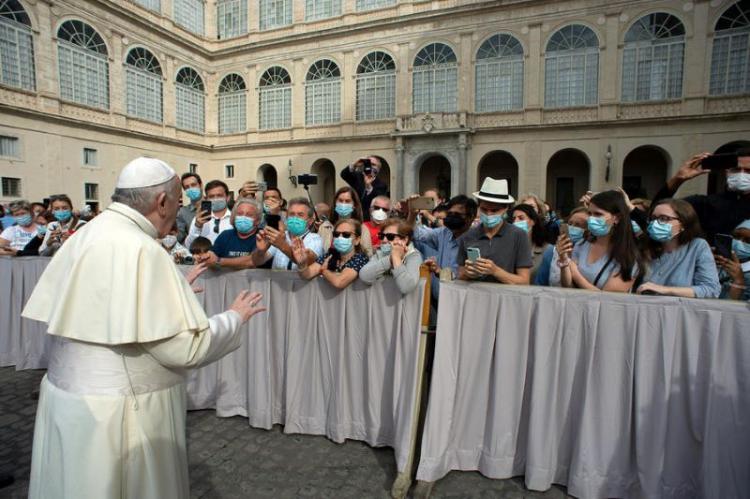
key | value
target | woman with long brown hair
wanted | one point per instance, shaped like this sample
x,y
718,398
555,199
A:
x,y
346,204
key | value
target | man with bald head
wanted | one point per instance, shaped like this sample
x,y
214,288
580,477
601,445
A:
x,y
125,325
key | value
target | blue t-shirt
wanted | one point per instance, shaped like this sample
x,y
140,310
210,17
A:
x,y
229,245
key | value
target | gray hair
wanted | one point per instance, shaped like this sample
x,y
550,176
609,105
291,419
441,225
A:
x,y
21,204
142,199
304,201
380,198
250,201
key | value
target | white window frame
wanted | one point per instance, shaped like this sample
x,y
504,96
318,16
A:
x,y
90,157
364,5
231,18
144,86
321,9
91,188
376,87
499,75
275,100
274,14
323,93
83,72
16,48
9,146
154,5
190,101
730,54
228,171
435,85
563,68
190,14
232,105
8,181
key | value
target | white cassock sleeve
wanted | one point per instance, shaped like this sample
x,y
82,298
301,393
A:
x,y
188,350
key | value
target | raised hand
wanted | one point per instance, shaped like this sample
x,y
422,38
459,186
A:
x,y
246,304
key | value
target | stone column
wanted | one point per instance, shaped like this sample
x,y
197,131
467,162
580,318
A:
x,y
533,74
45,51
610,56
465,74
348,87
298,92
252,75
697,56
403,81
117,84
211,84
406,183
170,105
209,20
459,185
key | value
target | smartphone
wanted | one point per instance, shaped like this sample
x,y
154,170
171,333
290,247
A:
x,y
472,254
273,221
333,263
564,229
262,186
719,161
422,203
366,163
723,245
206,205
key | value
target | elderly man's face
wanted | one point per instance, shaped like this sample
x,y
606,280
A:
x,y
247,210
299,211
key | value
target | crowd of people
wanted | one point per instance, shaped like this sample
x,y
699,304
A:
x,y
697,247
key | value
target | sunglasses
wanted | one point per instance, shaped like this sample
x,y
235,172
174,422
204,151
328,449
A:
x,y
376,208
344,234
390,237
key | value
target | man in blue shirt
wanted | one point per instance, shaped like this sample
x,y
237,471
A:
x,y
233,247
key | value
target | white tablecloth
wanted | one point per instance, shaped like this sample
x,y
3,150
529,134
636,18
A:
x,y
612,395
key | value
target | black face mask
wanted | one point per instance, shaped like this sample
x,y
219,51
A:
x,y
454,222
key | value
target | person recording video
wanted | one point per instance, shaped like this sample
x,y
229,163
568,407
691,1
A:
x,y
362,176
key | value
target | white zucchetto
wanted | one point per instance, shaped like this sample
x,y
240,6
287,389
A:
x,y
144,172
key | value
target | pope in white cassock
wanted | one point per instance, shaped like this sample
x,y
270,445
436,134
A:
x,y
125,325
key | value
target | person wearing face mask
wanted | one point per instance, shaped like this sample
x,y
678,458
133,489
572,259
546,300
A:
x,y
177,251
362,176
504,249
15,238
345,205
396,256
526,218
341,265
609,259
210,224
234,247
681,262
717,213
380,208
42,220
549,272
64,226
192,186
735,272
273,203
277,245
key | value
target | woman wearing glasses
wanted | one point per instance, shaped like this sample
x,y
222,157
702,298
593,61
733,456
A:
x,y
681,262
396,256
341,265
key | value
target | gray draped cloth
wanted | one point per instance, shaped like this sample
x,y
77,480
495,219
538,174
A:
x,y
613,395
320,361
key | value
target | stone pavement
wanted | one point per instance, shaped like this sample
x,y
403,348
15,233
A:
x,y
229,459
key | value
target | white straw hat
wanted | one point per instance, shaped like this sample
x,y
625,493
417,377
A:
x,y
495,191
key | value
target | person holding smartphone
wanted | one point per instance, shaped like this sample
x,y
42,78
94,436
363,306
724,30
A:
x,y
396,256
681,263
64,225
735,271
362,176
213,216
276,244
341,265
192,186
526,218
504,250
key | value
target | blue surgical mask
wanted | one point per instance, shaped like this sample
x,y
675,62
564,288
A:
x,y
296,226
42,230
659,232
523,225
244,225
385,248
739,182
490,221
598,226
636,228
62,215
218,204
741,249
23,220
343,244
193,194
344,209
575,233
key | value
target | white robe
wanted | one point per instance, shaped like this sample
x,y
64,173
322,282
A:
x,y
111,416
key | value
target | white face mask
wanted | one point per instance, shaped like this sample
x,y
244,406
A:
x,y
379,215
738,182
169,240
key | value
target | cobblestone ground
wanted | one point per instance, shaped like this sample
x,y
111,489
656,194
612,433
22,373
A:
x,y
229,459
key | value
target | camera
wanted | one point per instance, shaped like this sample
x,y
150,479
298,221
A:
x,y
307,179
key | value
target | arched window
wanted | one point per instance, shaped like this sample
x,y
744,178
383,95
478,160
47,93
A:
x,y
374,4
274,13
321,9
435,79
323,93
571,67
652,59
83,65
275,90
144,85
190,100
232,104
376,87
730,60
16,46
154,5
231,18
189,15
499,74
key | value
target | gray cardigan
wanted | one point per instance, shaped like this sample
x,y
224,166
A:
x,y
406,276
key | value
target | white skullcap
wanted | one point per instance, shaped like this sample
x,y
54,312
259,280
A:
x,y
144,172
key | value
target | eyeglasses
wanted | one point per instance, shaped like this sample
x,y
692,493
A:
x,y
376,208
663,219
345,234
390,236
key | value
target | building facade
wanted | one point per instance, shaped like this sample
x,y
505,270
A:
x,y
558,96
